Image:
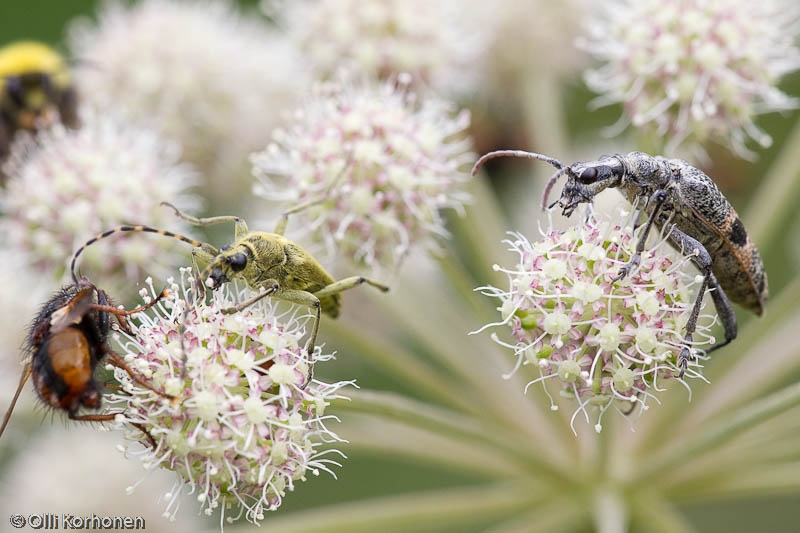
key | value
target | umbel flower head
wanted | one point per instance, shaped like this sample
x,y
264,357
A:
x,y
216,84
695,70
244,423
381,161
434,42
68,185
607,343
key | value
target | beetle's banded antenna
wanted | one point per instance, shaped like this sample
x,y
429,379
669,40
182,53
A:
x,y
562,169
121,229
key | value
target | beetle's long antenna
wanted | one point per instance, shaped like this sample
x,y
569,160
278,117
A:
x,y
550,184
515,153
121,229
529,155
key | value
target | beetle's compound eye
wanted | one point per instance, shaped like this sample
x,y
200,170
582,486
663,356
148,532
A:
x,y
237,262
589,175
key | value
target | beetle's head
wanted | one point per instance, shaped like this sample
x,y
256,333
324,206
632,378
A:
x,y
585,181
229,263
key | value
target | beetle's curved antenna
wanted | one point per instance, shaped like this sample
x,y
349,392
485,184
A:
x,y
550,184
119,229
515,153
562,169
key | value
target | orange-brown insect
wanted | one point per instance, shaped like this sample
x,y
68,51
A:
x,y
66,342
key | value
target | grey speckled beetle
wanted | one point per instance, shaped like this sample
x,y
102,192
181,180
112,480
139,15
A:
x,y
702,224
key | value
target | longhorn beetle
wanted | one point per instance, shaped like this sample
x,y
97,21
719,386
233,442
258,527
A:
x,y
701,223
268,261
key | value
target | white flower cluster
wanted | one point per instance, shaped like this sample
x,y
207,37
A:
x,y
602,340
380,162
241,422
695,70
68,185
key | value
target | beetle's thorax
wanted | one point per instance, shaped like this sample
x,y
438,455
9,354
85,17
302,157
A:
x,y
644,175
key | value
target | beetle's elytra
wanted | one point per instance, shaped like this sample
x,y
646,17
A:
x,y
701,223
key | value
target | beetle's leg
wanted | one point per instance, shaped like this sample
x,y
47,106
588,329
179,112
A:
x,y
104,417
280,227
203,255
309,300
108,417
117,361
349,283
725,312
658,198
692,247
271,287
241,225
294,296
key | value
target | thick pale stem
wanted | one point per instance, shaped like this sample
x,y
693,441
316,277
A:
x,y
448,509
395,361
610,511
653,513
444,422
544,113
713,436
776,196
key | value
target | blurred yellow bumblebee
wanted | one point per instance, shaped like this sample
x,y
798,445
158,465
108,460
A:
x,y
35,90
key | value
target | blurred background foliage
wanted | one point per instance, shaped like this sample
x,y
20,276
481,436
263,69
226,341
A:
x,y
496,124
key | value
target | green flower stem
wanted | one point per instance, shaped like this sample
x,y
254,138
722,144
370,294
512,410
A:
x,y
382,437
785,478
768,447
543,110
465,285
473,358
736,483
654,514
422,510
558,515
782,305
727,385
699,443
478,236
540,460
776,196
756,373
402,366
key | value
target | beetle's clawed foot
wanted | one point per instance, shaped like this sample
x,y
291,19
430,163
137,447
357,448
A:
x,y
683,360
627,269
